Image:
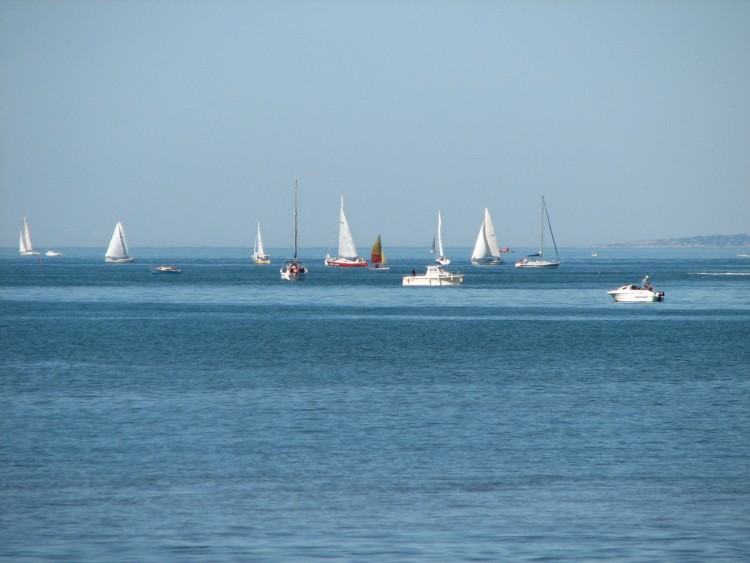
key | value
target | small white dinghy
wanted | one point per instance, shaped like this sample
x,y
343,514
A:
x,y
631,293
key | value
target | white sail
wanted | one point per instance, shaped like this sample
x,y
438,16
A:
x,y
441,259
259,250
24,243
259,253
440,236
346,242
117,251
486,248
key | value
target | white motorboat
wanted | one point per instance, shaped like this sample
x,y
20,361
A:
x,y
171,269
632,293
53,253
434,276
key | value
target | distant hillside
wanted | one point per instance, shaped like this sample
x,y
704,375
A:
x,y
741,240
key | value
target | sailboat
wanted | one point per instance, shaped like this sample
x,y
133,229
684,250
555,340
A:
x,y
259,254
347,257
486,252
117,251
24,245
377,257
293,269
441,259
537,260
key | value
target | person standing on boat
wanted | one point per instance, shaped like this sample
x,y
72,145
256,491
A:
x,y
646,285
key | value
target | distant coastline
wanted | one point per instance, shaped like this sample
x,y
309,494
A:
x,y
707,241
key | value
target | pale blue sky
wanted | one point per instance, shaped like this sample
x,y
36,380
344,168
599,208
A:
x,y
190,120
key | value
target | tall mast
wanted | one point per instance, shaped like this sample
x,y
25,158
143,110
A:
x,y
295,219
541,250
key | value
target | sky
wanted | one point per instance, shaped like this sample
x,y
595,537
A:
x,y
190,121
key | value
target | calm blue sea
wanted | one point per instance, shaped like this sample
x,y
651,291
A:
x,y
225,415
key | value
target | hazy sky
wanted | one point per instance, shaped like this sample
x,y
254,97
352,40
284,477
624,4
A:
x,y
190,120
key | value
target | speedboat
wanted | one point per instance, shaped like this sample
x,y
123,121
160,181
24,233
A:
x,y
166,270
52,253
435,275
631,293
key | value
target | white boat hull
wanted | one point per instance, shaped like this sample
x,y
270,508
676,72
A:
x,y
524,263
634,294
110,260
435,276
491,261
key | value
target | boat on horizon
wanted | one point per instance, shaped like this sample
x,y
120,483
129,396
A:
x,y
293,270
260,256
434,276
117,251
171,269
53,253
25,248
347,257
537,260
486,252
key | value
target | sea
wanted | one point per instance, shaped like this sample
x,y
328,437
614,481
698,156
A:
x,y
222,414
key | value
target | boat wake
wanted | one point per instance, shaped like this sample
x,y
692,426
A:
x,y
719,273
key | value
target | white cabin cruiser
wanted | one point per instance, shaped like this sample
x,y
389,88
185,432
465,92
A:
x,y
631,293
434,276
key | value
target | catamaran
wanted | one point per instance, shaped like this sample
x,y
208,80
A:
x,y
486,252
441,259
293,270
377,257
24,245
260,256
117,252
537,260
347,257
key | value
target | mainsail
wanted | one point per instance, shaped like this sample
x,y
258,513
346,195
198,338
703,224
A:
x,y
377,256
24,243
486,248
117,251
346,242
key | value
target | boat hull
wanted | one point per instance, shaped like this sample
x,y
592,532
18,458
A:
x,y
346,262
110,260
634,294
491,261
165,270
523,263
261,260
293,271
